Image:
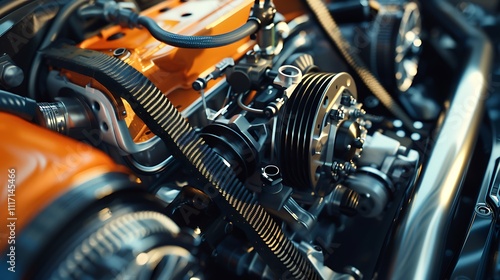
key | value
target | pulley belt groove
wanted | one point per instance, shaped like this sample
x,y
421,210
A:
x,y
163,119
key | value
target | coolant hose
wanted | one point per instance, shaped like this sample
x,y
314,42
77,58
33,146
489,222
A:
x,y
198,42
211,174
23,107
328,24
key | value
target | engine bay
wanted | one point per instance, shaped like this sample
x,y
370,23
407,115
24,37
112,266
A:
x,y
209,139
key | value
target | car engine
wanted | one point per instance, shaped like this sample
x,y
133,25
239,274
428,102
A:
x,y
240,139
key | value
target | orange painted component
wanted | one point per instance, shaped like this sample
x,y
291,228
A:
x,y
46,165
171,69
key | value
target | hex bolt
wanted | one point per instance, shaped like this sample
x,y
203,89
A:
x,y
358,143
338,114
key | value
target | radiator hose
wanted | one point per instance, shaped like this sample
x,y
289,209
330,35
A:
x,y
330,27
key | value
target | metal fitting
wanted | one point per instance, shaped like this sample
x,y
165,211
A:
x,y
11,75
288,75
337,114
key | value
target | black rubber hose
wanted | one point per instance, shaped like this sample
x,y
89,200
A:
x,y
330,27
198,42
211,174
60,20
90,12
23,107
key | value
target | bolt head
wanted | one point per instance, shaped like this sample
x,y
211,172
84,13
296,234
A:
x,y
337,114
12,75
358,143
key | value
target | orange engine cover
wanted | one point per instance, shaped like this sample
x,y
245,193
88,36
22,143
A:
x,y
172,69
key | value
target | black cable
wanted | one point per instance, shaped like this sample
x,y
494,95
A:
x,y
198,42
248,108
90,12
56,27
208,170
260,16
23,107
328,24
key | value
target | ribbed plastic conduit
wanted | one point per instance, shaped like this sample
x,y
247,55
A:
x,y
214,177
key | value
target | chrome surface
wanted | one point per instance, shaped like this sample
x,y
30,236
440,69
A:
x,y
321,145
419,242
112,130
408,47
288,75
54,115
316,258
68,116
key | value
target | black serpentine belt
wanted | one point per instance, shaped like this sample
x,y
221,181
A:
x,y
163,119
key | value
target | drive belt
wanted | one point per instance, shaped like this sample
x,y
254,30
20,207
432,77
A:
x,y
164,120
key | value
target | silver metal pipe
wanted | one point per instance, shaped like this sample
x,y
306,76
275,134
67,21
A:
x,y
419,242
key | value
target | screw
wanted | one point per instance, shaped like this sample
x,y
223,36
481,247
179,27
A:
x,y
338,114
